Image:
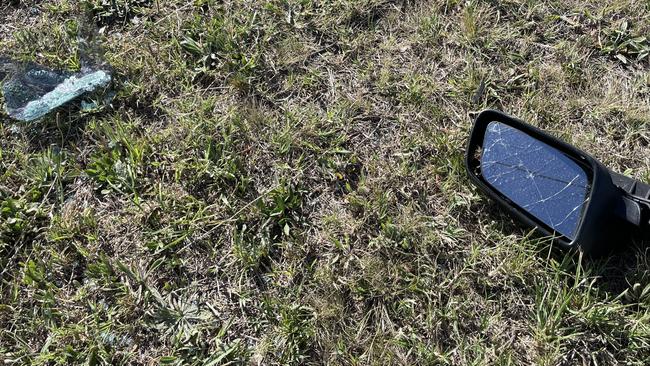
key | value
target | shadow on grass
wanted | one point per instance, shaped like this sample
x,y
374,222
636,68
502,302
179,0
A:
x,y
615,272
620,270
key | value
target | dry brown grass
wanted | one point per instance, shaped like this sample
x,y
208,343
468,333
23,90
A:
x,y
281,183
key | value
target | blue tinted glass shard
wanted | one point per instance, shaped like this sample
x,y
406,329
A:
x,y
541,180
30,85
32,91
38,91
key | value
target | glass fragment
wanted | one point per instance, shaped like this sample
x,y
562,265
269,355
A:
x,y
538,178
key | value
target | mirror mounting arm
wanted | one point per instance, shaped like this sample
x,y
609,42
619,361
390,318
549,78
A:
x,y
634,206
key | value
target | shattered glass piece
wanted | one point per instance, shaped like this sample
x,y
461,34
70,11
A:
x,y
32,91
38,91
538,178
30,85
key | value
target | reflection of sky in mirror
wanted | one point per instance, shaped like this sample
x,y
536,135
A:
x,y
538,178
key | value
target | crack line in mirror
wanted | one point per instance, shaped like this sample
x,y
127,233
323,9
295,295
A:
x,y
538,178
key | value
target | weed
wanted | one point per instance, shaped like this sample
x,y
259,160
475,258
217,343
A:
x,y
120,163
621,43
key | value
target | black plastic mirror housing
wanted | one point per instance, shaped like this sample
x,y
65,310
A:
x,y
611,213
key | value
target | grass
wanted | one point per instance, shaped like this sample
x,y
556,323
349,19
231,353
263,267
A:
x,y
282,182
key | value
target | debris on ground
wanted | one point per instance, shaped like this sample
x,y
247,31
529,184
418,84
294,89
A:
x,y
32,91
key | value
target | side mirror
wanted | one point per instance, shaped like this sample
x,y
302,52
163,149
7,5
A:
x,y
554,187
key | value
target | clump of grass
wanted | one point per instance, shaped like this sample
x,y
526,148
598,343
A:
x,y
621,43
107,12
120,163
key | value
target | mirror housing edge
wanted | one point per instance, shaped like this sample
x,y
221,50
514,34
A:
x,y
599,230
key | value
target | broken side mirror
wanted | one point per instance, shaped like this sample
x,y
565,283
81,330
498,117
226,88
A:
x,y
552,186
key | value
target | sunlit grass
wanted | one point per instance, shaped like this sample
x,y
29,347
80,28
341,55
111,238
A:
x,y
282,182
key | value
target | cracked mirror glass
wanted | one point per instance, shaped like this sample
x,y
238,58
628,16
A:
x,y
538,178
